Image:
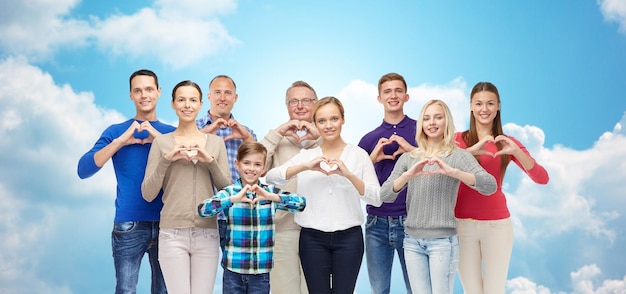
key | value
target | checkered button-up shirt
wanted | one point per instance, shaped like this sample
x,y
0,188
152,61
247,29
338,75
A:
x,y
250,232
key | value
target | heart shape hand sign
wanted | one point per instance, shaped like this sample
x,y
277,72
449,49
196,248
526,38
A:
x,y
327,167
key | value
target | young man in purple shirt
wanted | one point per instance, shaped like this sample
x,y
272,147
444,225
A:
x,y
384,229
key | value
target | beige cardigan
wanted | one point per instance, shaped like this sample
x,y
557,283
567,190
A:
x,y
185,184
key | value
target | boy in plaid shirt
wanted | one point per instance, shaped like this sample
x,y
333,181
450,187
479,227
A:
x,y
249,206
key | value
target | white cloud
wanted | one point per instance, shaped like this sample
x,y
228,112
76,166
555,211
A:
x,y
614,10
178,33
44,207
38,28
586,280
522,285
570,201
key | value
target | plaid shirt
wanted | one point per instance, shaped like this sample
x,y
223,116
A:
x,y
250,232
231,145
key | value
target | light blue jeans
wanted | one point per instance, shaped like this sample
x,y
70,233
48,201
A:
x,y
130,242
384,235
431,263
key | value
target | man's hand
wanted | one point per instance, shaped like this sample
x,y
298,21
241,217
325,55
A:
x,y
239,131
299,130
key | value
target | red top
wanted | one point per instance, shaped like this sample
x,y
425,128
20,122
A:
x,y
471,204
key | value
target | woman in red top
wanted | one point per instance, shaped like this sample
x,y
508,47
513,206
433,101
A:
x,y
484,225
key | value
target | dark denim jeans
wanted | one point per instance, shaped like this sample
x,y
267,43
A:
x,y
130,241
331,260
222,229
384,235
236,283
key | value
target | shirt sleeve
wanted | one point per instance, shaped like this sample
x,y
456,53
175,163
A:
x,y
277,175
86,164
370,179
386,190
155,172
288,201
485,182
270,141
219,202
537,173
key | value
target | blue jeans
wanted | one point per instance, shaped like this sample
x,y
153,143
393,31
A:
x,y
331,254
431,263
236,283
222,229
130,241
383,236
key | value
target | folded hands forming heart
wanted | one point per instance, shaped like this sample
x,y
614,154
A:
x,y
378,154
430,166
188,153
257,193
508,146
299,130
238,130
328,166
139,133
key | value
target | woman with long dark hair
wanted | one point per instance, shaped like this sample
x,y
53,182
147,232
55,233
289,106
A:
x,y
484,224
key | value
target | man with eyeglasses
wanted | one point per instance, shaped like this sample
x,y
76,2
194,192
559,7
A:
x,y
283,143
220,121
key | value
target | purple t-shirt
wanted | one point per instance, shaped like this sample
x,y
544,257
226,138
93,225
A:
x,y
405,129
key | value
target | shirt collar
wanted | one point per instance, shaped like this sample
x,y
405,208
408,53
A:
x,y
207,120
403,123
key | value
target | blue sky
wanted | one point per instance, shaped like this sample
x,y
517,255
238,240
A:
x,y
559,65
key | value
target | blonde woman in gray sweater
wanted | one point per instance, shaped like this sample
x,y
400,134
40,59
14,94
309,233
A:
x,y
432,174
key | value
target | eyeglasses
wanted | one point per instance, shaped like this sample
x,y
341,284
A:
x,y
304,101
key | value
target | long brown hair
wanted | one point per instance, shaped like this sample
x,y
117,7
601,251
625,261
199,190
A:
x,y
470,137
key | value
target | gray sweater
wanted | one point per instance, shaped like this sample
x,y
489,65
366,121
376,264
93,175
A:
x,y
430,199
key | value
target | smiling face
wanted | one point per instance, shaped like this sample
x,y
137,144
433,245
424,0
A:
x,y
222,96
186,102
329,121
303,109
144,92
392,95
484,106
250,167
434,122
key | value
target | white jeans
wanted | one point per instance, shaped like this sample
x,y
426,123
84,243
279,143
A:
x,y
189,259
286,276
486,248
